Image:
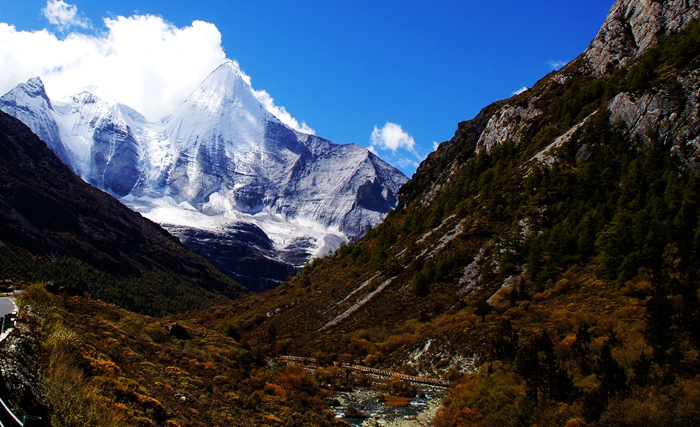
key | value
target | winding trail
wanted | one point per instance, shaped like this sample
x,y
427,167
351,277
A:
x,y
357,305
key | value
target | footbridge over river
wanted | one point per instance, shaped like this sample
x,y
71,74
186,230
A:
x,y
366,369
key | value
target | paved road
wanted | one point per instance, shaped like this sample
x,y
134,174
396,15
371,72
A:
x,y
7,419
6,306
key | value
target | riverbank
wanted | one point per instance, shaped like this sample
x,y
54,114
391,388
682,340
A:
x,y
422,419
418,413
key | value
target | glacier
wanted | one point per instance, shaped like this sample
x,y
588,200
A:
x,y
255,197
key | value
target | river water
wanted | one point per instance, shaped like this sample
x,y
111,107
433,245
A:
x,y
419,412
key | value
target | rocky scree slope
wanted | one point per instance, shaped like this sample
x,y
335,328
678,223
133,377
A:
x,y
58,227
221,161
570,209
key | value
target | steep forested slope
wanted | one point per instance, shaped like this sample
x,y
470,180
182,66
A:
x,y
57,227
547,255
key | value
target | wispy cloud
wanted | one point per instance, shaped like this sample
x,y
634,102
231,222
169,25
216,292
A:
x,y
406,162
282,113
521,90
555,65
64,15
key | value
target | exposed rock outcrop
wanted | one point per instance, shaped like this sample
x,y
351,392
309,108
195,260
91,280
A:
x,y
242,251
632,27
508,125
19,373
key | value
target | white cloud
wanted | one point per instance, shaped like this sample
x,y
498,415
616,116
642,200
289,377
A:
x,y
143,61
435,145
281,113
392,137
555,65
396,146
521,90
64,15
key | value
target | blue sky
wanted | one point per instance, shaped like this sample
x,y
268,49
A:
x,y
347,69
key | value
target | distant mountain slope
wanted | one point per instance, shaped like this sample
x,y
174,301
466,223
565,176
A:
x,y
553,243
221,160
482,208
57,227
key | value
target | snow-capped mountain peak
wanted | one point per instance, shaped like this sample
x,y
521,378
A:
x,y
221,158
35,87
226,86
223,109
29,103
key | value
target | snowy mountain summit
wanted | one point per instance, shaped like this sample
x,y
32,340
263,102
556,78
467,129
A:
x,y
223,173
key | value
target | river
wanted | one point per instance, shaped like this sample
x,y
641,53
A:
x,y
419,413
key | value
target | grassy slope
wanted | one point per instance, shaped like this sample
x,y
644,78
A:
x,y
104,366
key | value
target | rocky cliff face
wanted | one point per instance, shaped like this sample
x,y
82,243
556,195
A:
x,y
633,27
250,248
19,363
671,117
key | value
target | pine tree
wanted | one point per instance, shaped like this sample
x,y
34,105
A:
x,y
641,370
612,377
581,348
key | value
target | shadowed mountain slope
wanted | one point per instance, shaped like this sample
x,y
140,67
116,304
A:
x,y
57,227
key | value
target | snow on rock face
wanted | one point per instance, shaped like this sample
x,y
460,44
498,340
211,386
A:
x,y
230,153
101,145
218,137
86,132
28,102
220,158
